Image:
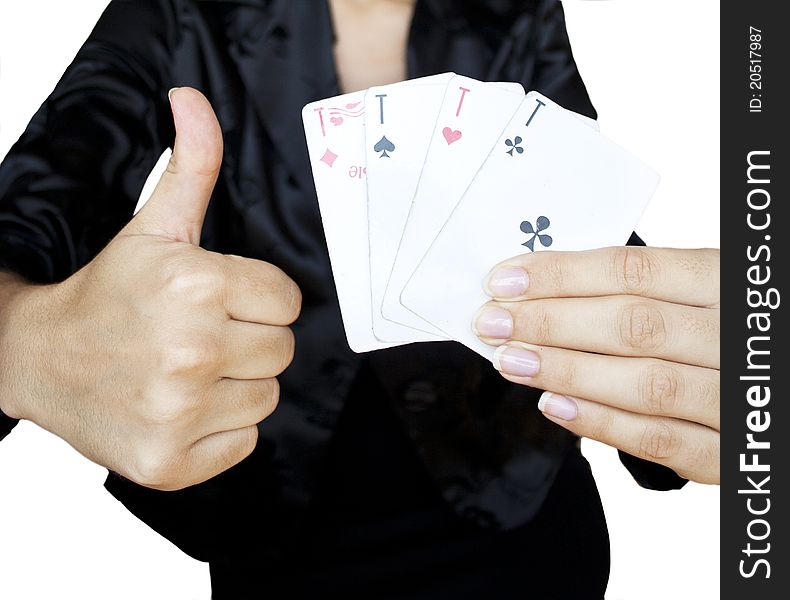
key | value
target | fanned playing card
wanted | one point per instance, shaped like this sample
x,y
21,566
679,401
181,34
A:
x,y
335,133
550,182
398,127
470,120
335,138
399,123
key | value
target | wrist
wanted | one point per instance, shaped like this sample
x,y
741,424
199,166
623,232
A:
x,y
22,313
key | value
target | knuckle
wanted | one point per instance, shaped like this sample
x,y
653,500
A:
x,y
245,444
154,470
285,348
660,389
294,302
703,324
601,427
711,462
636,269
189,358
250,441
264,399
567,376
271,397
641,326
288,293
193,283
702,263
203,168
554,272
709,395
534,322
173,165
701,463
167,412
280,289
274,390
660,440
703,459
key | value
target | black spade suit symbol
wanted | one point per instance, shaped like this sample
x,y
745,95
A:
x,y
384,146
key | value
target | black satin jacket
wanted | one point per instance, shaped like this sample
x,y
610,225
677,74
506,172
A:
x,y
72,181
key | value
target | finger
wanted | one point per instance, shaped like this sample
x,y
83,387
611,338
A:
x,y
235,404
691,450
682,276
259,292
217,453
177,207
640,385
615,325
253,351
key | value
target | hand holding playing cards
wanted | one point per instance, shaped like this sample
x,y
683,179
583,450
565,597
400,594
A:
x,y
423,185
158,358
625,340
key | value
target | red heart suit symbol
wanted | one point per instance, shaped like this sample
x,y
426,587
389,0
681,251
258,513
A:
x,y
451,136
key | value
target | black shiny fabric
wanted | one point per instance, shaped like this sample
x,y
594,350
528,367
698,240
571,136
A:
x,y
72,180
390,535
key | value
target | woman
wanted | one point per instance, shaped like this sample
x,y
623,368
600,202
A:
x,y
413,472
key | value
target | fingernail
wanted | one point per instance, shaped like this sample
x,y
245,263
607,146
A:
x,y
170,93
492,322
558,406
507,282
516,361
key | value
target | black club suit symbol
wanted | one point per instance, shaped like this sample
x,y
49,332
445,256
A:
x,y
542,224
514,145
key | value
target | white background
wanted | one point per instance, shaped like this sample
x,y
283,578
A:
x,y
652,69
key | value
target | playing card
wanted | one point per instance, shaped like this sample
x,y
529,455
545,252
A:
x,y
334,129
436,196
399,122
335,134
471,118
408,112
550,182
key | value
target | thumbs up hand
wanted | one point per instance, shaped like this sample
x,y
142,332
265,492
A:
x,y
158,359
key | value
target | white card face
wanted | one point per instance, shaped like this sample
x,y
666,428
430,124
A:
x,y
335,134
471,118
432,207
399,122
550,182
335,137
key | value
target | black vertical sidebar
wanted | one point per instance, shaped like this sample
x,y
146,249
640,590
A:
x,y
755,458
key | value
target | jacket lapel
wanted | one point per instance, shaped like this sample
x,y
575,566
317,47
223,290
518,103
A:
x,y
284,54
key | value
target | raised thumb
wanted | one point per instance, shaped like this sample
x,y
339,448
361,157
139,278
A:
x,y
177,206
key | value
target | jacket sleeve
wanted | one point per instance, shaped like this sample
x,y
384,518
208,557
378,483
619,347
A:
x,y
73,178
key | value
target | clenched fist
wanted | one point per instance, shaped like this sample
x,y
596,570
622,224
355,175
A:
x,y
158,359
